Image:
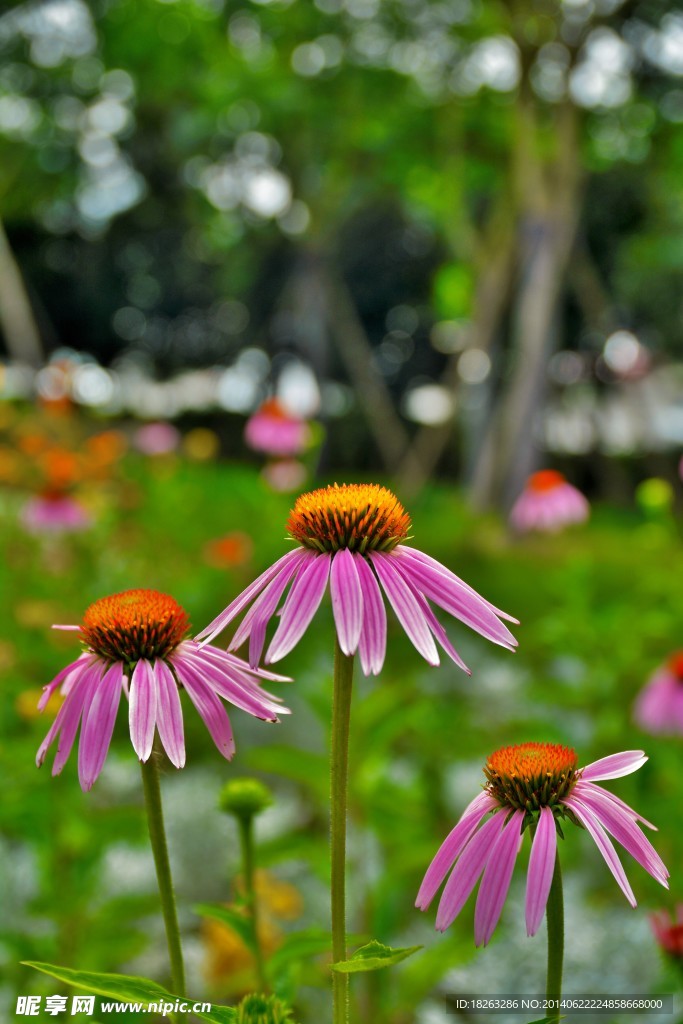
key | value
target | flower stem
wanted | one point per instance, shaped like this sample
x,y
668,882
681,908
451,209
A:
x,y
555,920
339,766
246,825
157,835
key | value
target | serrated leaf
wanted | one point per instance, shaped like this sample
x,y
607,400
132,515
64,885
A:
x,y
125,988
230,917
373,957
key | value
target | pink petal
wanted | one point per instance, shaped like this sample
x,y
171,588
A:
x,y
373,638
243,599
452,847
467,870
241,692
595,829
79,693
406,606
614,766
231,661
75,666
142,708
169,714
99,715
209,707
256,620
541,870
420,556
300,607
73,702
67,629
496,881
621,825
591,787
347,599
437,629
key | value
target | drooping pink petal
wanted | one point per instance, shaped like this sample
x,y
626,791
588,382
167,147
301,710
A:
x,y
437,629
75,667
243,599
230,662
624,829
406,606
614,766
241,692
373,638
420,556
347,599
209,707
541,870
169,714
452,847
142,708
595,829
66,628
73,702
461,601
256,620
300,607
590,787
467,870
98,725
496,881
78,694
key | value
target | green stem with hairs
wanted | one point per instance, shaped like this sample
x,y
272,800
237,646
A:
x,y
157,835
554,913
246,826
339,770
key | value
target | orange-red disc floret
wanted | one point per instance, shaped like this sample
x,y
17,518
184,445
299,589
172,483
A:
x,y
545,480
531,775
134,624
274,409
675,665
361,517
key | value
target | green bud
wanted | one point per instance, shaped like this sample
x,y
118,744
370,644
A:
x,y
258,1009
245,798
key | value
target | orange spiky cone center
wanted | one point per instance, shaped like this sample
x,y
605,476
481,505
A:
x,y
361,517
545,480
134,624
531,775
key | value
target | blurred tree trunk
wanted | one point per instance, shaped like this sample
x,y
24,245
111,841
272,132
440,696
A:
x,y
18,324
548,208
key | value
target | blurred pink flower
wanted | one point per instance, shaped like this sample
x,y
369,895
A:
x,y
273,430
668,931
156,438
659,706
351,536
548,502
135,643
537,783
54,513
284,475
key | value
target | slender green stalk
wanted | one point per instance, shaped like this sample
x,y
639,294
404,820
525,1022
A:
x,y
246,825
339,770
554,913
157,835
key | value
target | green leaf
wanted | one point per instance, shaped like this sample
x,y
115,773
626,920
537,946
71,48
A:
x,y
230,917
374,956
298,946
128,989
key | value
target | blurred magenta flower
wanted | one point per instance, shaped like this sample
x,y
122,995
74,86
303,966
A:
x,y
352,536
549,503
534,784
659,706
668,931
284,475
156,438
275,431
135,643
54,513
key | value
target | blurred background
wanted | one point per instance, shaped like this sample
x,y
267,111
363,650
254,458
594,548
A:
x,y
252,246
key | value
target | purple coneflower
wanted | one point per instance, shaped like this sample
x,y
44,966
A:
x,y
659,707
536,784
548,503
54,512
275,431
353,536
135,644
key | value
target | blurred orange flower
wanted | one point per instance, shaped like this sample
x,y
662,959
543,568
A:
x,y
232,549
